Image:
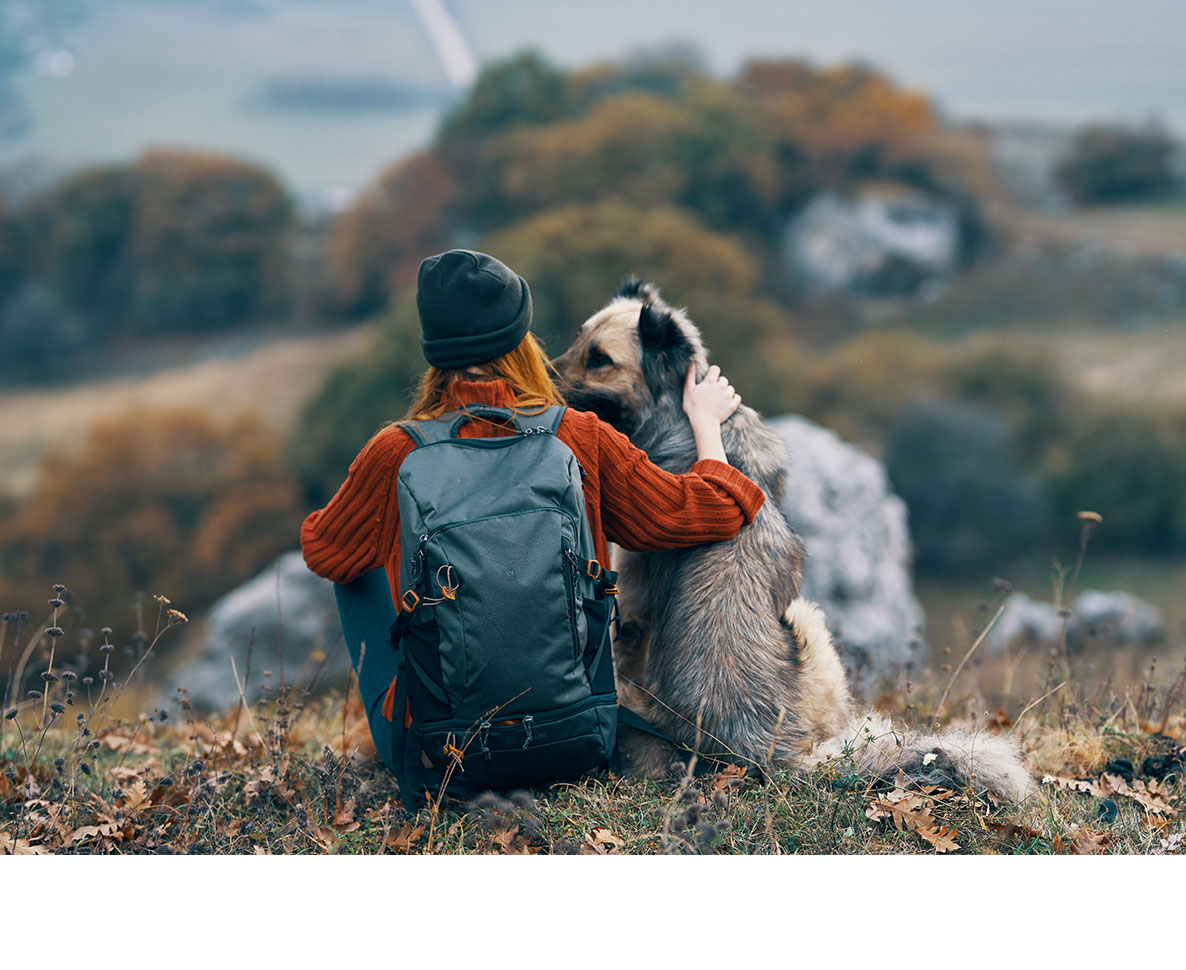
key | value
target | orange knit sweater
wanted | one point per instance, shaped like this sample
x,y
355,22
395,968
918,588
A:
x,y
630,500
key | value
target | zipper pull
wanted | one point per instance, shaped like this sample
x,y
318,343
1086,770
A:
x,y
527,727
483,733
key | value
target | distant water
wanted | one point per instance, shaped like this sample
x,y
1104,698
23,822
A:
x,y
184,71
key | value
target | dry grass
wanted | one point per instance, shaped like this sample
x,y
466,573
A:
x,y
274,380
286,776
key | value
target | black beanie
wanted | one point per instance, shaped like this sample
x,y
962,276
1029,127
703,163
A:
x,y
472,309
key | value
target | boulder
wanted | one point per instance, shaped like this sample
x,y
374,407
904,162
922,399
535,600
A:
x,y
858,554
1115,618
882,241
285,605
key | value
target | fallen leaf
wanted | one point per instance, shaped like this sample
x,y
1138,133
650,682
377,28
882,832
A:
x,y
1090,841
1013,830
1087,786
731,776
940,838
11,846
1152,796
406,838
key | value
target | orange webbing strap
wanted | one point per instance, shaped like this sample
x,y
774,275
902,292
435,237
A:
x,y
389,701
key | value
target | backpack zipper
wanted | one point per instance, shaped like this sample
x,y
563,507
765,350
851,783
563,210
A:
x,y
570,592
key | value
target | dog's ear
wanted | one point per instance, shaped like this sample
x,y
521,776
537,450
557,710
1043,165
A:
x,y
634,288
656,328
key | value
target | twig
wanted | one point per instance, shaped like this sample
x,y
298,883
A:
x,y
243,701
972,649
1031,704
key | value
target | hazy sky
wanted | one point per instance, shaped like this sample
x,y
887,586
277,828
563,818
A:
x,y
142,72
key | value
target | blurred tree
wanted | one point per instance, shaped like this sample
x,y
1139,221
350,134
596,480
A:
x,y
574,258
524,89
375,248
622,149
1108,163
970,510
356,400
834,124
859,388
170,502
211,242
39,335
81,235
1128,464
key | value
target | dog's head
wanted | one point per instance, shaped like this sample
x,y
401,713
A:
x,y
630,358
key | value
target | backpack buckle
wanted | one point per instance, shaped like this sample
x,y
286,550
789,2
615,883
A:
x,y
593,569
409,607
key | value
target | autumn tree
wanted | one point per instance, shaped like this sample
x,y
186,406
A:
x,y
375,248
574,258
172,502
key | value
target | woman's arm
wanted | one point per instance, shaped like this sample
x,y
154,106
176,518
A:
x,y
708,404
353,533
645,508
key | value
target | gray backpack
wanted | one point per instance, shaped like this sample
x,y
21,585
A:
x,y
506,664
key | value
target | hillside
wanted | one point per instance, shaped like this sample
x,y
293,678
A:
x,y
273,378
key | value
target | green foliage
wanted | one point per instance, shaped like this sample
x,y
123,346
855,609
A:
x,y
172,243
971,511
523,90
1128,464
166,501
1108,163
357,399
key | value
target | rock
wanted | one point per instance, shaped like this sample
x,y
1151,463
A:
x,y
1024,622
857,564
884,241
257,616
1115,618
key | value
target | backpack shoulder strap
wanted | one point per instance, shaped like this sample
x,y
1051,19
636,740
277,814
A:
x,y
548,419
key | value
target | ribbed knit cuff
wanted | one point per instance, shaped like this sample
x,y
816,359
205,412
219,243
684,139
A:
x,y
747,495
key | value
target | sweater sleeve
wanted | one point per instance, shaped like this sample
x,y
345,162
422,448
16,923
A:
x,y
644,508
353,533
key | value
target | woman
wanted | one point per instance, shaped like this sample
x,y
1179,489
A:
x,y
475,315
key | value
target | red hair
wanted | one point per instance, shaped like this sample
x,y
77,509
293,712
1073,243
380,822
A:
x,y
525,369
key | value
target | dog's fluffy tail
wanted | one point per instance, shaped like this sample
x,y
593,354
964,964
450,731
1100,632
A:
x,y
954,759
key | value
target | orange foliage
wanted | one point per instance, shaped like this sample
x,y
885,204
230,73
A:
x,y
838,112
170,502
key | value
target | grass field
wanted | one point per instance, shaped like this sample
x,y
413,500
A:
x,y
295,774
273,378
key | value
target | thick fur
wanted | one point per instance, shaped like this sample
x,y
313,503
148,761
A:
x,y
716,648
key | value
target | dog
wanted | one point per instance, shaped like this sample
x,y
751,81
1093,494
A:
x,y
715,647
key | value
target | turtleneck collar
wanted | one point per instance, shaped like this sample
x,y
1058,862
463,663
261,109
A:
x,y
494,393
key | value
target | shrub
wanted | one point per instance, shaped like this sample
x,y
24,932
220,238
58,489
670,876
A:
x,y
170,501
970,510
1109,163
1128,464
357,399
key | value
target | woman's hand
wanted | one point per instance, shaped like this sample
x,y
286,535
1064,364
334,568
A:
x,y
713,399
707,404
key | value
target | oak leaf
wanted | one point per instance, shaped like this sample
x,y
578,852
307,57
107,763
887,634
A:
x,y
406,837
11,846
